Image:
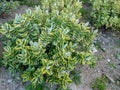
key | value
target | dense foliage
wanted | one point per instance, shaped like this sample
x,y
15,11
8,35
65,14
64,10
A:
x,y
45,44
30,2
106,13
6,6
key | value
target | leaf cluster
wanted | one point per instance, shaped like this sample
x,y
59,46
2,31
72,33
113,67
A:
x,y
106,13
100,83
6,6
45,44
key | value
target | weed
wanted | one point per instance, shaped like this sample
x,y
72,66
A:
x,y
112,65
100,83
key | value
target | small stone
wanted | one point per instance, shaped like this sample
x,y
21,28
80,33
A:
x,y
112,55
104,43
94,50
118,82
98,71
108,60
9,80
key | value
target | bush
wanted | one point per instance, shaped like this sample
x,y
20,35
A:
x,y
6,6
45,44
106,13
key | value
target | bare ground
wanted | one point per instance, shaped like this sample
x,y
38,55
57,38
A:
x,y
107,62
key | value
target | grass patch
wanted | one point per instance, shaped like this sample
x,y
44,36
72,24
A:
x,y
99,83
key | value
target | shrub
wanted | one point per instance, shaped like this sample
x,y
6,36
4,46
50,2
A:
x,y
106,13
6,6
45,44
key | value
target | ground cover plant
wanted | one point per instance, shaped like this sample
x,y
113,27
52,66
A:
x,y
106,13
100,83
5,7
45,44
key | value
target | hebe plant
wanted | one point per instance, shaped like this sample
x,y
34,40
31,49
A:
x,y
46,44
106,13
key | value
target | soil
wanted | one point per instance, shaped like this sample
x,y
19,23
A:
x,y
107,63
12,14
